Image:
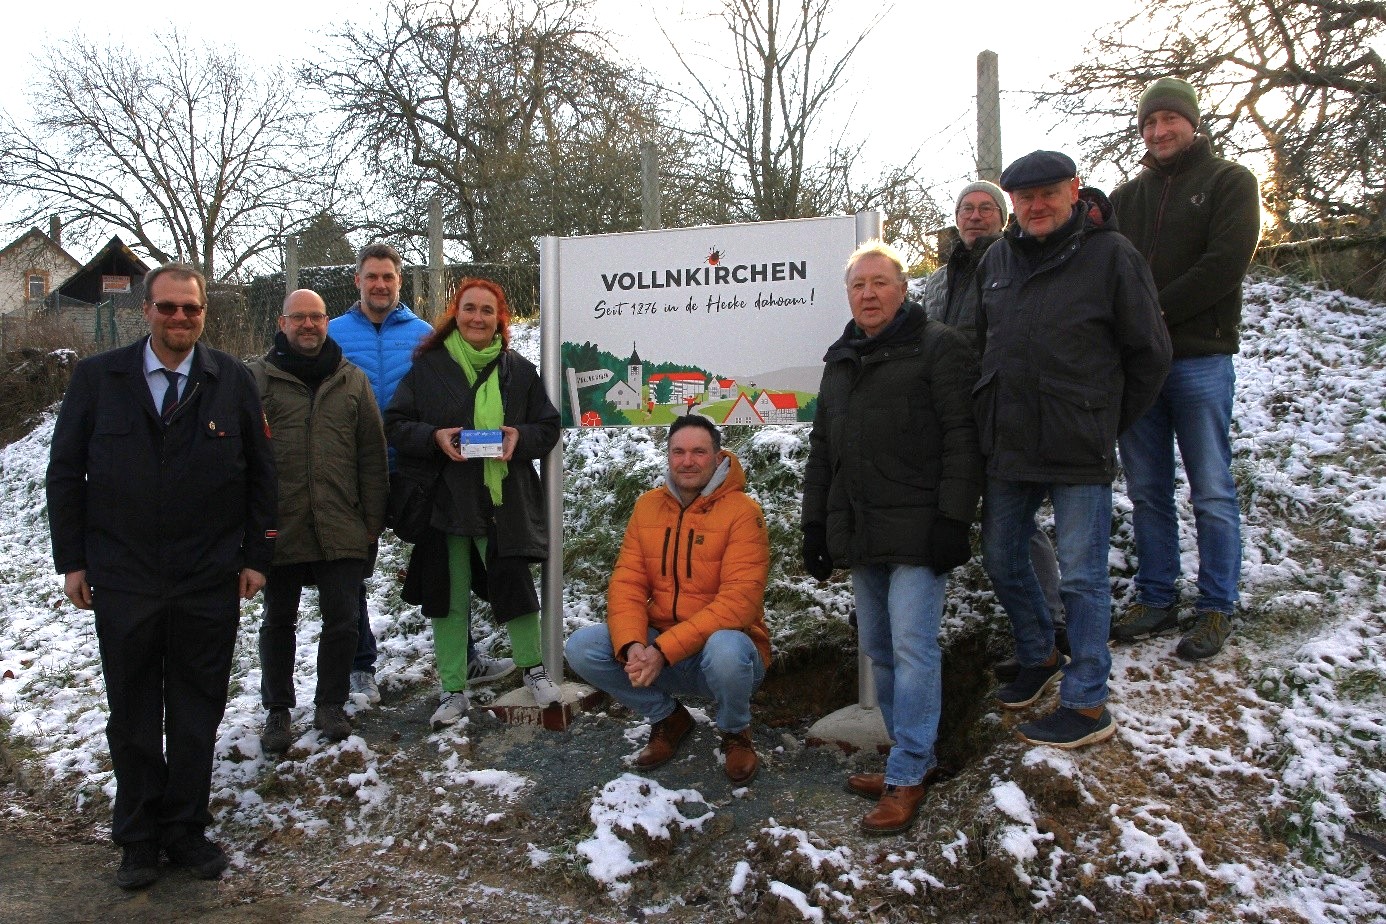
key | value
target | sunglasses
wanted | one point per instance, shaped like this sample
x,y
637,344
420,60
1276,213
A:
x,y
169,309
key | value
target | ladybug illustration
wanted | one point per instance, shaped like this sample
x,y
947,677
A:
x,y
714,256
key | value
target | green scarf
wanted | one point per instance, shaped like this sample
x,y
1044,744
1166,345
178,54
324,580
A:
x,y
488,413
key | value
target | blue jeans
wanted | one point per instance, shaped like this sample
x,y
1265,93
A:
x,y
1194,408
728,670
898,612
1083,526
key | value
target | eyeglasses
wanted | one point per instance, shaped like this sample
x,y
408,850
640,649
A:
x,y
169,309
313,317
983,209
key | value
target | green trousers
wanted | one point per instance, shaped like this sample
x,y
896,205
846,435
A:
x,y
450,634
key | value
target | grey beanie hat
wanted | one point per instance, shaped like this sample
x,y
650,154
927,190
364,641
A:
x,y
991,189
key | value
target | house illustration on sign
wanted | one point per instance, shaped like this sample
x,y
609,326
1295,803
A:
x,y
720,389
685,385
743,412
778,407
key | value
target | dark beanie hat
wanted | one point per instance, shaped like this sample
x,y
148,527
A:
x,y
1038,168
1169,93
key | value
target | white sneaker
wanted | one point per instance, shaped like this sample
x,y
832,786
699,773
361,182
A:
x,y
482,669
546,692
362,683
451,710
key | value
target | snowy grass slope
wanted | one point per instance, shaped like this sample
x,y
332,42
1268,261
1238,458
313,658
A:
x,y
1232,790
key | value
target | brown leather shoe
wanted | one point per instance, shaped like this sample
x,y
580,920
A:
x,y
665,737
898,806
866,785
742,762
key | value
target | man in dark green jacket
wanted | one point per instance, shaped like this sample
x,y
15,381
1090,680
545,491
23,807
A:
x,y
1196,219
329,448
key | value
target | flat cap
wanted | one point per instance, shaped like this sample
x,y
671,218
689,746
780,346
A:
x,y
1038,168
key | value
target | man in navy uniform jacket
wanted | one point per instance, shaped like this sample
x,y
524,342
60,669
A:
x,y
161,501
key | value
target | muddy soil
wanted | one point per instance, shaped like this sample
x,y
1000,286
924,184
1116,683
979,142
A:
x,y
57,865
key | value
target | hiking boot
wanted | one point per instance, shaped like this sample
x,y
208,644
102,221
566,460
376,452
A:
x,y
897,807
546,692
1206,636
482,670
741,760
278,734
139,865
332,721
1029,684
451,709
665,737
362,683
1141,621
867,785
1067,728
197,855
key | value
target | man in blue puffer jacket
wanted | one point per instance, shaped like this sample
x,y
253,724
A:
x,y
378,334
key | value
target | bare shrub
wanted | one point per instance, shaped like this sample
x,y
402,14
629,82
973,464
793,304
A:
x,y
34,371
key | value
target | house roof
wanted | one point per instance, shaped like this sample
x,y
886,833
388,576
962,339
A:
x,y
36,236
782,400
678,376
115,259
742,399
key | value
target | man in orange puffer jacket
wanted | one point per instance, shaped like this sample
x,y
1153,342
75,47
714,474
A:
x,y
685,608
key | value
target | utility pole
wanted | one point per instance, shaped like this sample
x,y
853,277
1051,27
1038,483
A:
x,y
649,187
290,264
988,117
436,295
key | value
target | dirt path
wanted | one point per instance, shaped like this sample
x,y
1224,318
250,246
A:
x,y
54,872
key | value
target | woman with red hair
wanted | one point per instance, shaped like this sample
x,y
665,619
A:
x,y
487,523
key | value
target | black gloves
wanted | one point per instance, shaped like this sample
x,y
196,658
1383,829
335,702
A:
x,y
817,561
949,545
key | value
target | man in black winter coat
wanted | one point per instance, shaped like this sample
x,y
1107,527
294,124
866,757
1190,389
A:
x,y
161,502
1073,351
890,490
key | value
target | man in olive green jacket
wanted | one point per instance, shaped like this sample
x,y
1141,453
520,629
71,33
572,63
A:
x,y
1196,218
329,447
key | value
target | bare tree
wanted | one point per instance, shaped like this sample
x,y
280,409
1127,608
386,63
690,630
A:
x,y
1292,84
514,114
766,162
180,148
763,152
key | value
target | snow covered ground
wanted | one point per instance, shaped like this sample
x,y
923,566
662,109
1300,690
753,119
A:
x,y
1251,787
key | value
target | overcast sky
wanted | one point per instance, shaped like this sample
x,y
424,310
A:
x,y
912,85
